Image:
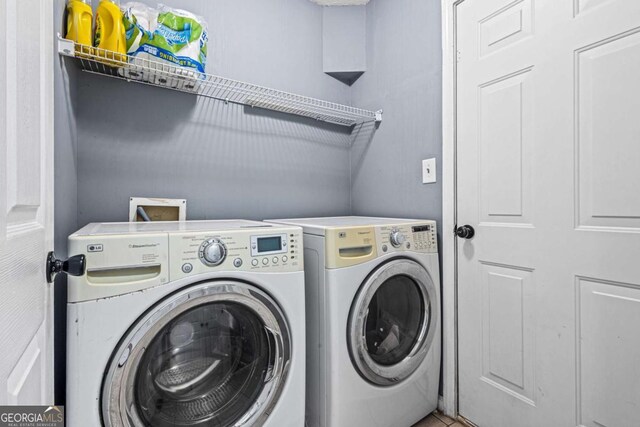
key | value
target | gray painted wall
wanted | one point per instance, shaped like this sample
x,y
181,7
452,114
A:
x,y
344,38
227,161
404,77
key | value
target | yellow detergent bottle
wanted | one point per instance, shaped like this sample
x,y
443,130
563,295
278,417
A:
x,y
79,22
109,35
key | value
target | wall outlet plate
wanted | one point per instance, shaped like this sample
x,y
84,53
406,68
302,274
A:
x,y
429,171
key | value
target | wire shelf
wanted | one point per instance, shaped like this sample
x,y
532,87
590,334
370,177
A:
x,y
154,73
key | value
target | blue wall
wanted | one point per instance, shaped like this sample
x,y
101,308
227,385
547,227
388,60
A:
x,y
227,161
404,77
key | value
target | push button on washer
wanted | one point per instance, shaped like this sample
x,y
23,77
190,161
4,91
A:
x,y
265,261
254,262
187,268
237,263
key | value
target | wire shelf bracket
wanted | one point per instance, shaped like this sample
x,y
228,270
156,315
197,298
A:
x,y
154,73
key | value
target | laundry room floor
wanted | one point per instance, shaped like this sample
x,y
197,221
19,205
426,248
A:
x,y
437,419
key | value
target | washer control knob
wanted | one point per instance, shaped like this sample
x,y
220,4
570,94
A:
x,y
212,252
397,238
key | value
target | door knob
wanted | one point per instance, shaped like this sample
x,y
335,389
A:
x,y
73,266
465,232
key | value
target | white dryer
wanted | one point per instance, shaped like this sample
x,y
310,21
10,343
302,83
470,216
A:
x,y
186,324
373,320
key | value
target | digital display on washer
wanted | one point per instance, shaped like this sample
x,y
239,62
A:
x,y
269,244
419,228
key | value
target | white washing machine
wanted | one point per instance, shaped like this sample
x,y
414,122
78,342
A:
x,y
373,320
186,324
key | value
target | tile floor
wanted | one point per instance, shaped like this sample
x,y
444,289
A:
x,y
438,420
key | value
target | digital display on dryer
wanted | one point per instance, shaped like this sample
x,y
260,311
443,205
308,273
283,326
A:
x,y
269,244
419,228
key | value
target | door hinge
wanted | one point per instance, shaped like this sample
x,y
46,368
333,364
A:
x,y
458,56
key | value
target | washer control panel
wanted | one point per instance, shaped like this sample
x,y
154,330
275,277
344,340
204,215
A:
x,y
253,249
418,237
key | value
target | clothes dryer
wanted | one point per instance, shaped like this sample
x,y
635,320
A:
x,y
373,320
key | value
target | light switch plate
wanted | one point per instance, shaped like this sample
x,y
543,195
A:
x,y
428,171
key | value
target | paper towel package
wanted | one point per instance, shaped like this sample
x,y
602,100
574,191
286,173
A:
x,y
166,36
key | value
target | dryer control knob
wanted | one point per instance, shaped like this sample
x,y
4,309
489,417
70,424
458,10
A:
x,y
397,238
212,252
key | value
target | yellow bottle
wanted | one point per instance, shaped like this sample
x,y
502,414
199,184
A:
x,y
79,17
109,35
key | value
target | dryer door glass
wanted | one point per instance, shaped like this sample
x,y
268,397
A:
x,y
393,322
213,355
394,319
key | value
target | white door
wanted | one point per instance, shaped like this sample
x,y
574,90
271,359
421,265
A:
x,y
548,174
26,202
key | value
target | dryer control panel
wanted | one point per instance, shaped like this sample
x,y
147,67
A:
x,y
254,249
417,237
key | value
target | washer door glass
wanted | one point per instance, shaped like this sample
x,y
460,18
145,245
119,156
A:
x,y
215,354
394,320
207,365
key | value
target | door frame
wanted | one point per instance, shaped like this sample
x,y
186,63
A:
x,y
449,404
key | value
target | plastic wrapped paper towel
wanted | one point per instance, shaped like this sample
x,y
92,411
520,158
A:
x,y
169,36
140,22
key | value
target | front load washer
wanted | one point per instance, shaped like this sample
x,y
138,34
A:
x,y
373,320
196,323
